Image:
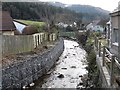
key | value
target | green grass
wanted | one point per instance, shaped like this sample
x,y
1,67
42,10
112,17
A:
x,y
103,41
90,41
28,22
69,34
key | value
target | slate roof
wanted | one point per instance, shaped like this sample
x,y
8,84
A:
x,y
6,21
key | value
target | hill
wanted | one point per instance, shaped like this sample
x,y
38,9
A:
x,y
40,11
89,13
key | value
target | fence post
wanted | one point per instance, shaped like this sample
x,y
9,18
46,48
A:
x,y
112,70
103,55
99,48
35,41
97,43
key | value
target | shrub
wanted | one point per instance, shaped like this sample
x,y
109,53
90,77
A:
x,y
93,72
28,30
16,32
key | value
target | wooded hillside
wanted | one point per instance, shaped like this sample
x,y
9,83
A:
x,y
40,12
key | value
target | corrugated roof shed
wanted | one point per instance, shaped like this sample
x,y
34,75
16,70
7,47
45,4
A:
x,y
7,21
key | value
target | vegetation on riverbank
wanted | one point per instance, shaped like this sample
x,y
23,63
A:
x,y
93,72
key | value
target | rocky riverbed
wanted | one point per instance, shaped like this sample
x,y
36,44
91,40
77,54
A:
x,y
69,69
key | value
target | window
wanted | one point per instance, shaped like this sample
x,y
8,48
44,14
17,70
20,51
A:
x,y
115,35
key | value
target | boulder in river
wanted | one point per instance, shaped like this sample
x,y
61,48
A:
x,y
65,56
76,46
73,66
64,68
80,76
32,84
25,87
74,54
81,83
60,76
46,47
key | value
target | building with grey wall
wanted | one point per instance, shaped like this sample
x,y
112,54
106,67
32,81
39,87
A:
x,y
115,31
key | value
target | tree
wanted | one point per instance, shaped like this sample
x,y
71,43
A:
x,y
79,22
69,29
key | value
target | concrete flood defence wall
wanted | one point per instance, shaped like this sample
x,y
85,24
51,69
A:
x,y
25,72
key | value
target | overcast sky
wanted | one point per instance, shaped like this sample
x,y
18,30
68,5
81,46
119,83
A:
x,y
109,5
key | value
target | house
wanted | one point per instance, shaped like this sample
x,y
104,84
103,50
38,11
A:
x,y
93,26
19,25
98,28
61,24
115,32
7,25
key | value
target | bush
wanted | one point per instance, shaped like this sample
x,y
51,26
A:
x,y
16,32
93,72
91,58
28,30
97,34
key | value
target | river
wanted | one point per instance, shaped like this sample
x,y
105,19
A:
x,y
68,70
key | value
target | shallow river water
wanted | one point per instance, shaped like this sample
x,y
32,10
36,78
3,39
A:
x,y
70,66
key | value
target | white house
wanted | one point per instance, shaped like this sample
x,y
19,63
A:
x,y
93,26
61,24
98,28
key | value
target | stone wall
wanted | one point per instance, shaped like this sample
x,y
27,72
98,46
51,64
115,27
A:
x,y
25,72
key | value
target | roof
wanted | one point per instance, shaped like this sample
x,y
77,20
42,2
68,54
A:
x,y
20,22
93,23
7,21
109,22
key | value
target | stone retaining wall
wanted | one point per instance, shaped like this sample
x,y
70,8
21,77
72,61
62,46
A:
x,y
25,72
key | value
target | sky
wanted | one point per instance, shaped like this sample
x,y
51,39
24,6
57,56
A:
x,y
109,5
